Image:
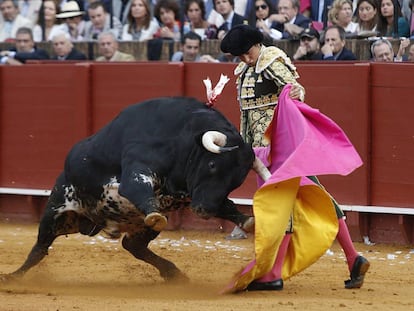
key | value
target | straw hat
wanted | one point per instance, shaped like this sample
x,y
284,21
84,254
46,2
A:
x,y
70,9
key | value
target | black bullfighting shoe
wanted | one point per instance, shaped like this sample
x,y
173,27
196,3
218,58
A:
x,y
156,221
360,267
274,285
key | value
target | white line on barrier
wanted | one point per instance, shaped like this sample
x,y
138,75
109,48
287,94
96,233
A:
x,y
36,192
240,201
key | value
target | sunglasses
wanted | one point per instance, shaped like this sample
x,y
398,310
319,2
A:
x,y
263,7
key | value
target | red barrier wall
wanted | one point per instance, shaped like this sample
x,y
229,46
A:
x,y
115,86
44,109
392,177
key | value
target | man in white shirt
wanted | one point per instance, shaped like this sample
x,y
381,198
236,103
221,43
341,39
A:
x,y
100,21
11,20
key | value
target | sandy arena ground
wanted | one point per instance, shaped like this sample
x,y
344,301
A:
x,y
83,273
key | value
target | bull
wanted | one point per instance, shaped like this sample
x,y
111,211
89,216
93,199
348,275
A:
x,y
154,157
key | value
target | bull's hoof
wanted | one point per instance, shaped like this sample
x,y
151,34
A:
x,y
248,225
156,221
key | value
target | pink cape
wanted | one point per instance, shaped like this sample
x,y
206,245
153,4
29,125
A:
x,y
303,142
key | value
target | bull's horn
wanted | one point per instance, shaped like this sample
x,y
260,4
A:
x,y
261,169
215,141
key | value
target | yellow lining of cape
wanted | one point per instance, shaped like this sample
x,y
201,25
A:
x,y
315,228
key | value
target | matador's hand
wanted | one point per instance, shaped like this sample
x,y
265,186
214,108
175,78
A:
x,y
295,92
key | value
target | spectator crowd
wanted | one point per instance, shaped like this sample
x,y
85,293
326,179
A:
x,y
321,26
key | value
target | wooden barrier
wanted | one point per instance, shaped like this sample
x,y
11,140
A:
x,y
392,178
44,111
45,108
115,86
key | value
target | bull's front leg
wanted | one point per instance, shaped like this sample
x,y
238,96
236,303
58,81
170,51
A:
x,y
230,212
138,188
137,245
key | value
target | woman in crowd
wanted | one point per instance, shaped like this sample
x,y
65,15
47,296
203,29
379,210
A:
x,y
47,21
195,11
391,23
141,24
263,9
341,15
367,17
167,13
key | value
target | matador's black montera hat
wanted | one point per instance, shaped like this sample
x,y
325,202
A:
x,y
240,39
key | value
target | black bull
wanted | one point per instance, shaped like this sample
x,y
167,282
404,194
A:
x,y
153,158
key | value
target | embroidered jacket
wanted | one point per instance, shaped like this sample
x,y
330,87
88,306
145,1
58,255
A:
x,y
260,86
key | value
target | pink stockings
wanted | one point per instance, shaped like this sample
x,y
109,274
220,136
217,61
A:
x,y
345,241
276,272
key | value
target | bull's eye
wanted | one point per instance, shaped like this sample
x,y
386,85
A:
x,y
212,166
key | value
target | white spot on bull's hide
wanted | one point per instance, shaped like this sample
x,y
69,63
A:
x,y
70,203
142,178
113,180
147,179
